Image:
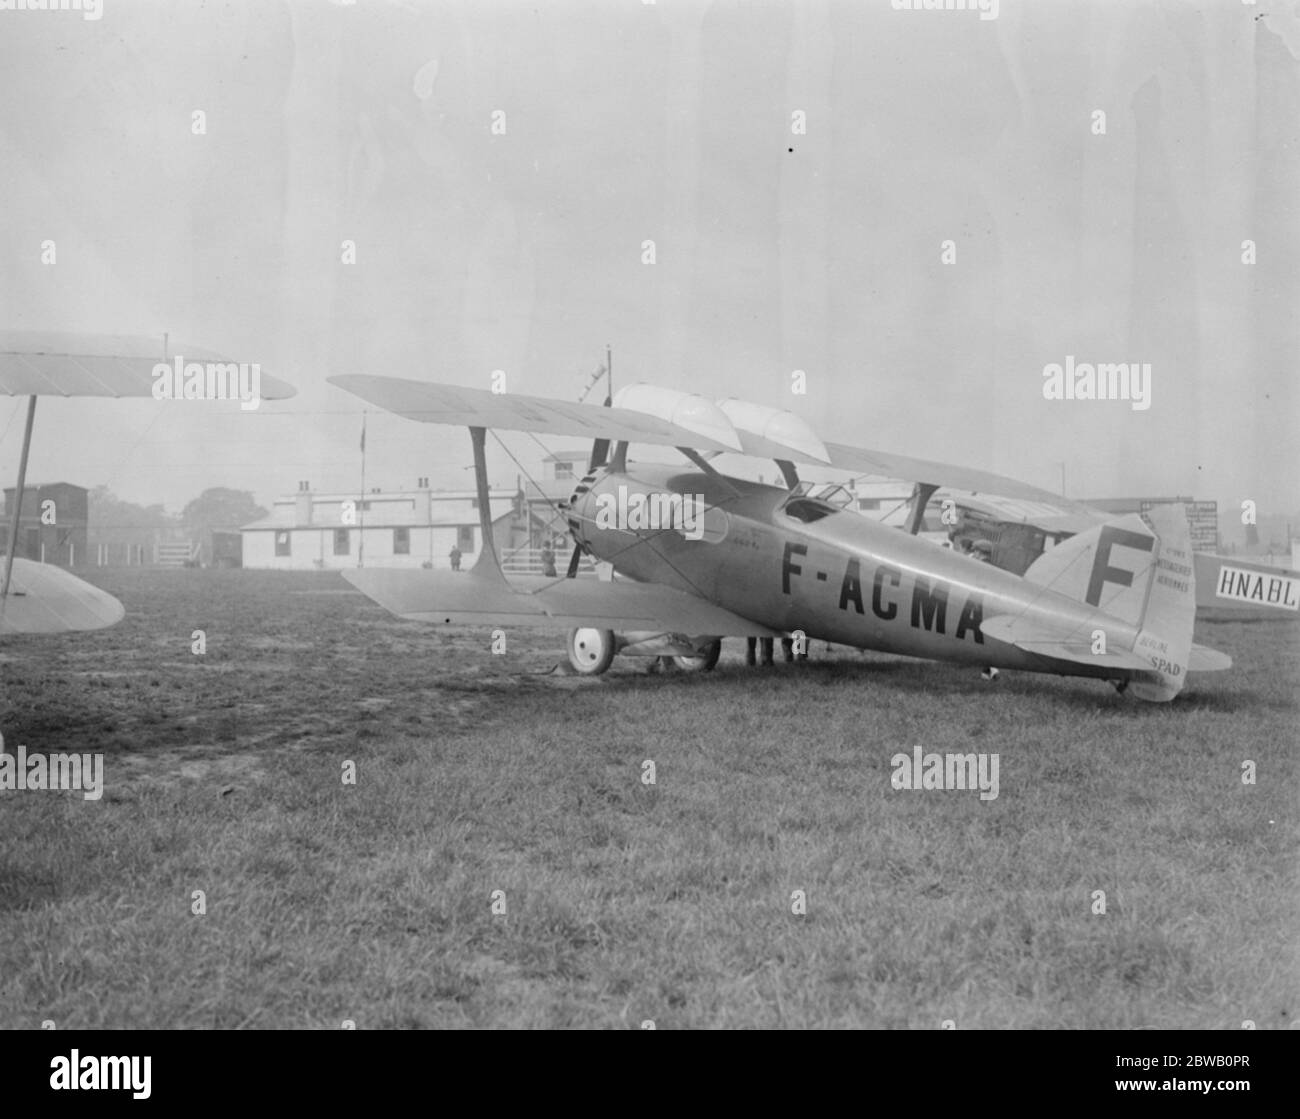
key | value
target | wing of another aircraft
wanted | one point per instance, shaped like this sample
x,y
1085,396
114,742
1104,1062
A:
x,y
46,599
98,365
41,598
477,599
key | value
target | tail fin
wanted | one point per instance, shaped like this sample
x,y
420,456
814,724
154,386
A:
x,y
1141,576
1108,567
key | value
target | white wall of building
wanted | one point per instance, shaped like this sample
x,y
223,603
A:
x,y
312,548
432,521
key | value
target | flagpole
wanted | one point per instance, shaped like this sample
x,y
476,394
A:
x,y
361,505
16,519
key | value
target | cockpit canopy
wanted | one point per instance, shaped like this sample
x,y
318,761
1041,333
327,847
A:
x,y
810,502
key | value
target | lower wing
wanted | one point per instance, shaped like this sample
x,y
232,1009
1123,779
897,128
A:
x,y
450,597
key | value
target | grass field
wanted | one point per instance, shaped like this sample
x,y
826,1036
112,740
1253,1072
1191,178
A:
x,y
626,901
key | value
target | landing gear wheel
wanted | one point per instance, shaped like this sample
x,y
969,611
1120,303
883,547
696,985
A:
x,y
706,660
1120,686
591,651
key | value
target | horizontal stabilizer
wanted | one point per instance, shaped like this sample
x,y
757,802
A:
x,y
46,599
1204,659
450,597
1045,643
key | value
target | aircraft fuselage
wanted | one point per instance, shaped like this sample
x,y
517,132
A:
x,y
800,564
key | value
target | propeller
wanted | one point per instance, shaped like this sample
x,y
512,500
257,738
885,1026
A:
x,y
600,448
599,456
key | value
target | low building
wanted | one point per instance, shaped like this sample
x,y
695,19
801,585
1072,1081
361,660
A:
x,y
1202,516
543,499
52,525
411,528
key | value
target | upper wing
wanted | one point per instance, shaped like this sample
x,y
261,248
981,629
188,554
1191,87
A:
x,y
448,404
98,365
466,597
46,599
863,461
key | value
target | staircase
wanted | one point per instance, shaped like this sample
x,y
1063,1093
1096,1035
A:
x,y
175,553
528,561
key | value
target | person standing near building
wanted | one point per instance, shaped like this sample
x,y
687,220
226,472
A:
x,y
454,556
548,560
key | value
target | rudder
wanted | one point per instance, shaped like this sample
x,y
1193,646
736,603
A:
x,y
1170,615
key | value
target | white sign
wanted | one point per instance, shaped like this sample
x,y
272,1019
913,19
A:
x,y
1240,585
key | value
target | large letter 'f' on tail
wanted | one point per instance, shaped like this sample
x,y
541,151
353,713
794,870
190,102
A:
x,y
1142,576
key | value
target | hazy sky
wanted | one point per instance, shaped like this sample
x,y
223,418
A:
x,y
775,250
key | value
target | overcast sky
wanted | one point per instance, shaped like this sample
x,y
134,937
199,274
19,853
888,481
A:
x,y
775,250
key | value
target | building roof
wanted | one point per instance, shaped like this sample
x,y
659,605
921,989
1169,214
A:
x,y
1132,504
46,486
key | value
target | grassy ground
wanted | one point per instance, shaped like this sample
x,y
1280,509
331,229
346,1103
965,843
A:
x,y
625,901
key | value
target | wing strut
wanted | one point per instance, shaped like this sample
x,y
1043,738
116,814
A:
x,y
921,494
18,504
487,564
704,464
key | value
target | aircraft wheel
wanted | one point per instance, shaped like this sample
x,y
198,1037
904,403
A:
x,y
591,651
705,662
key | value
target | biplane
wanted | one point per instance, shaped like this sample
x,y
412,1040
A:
x,y
42,598
698,555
